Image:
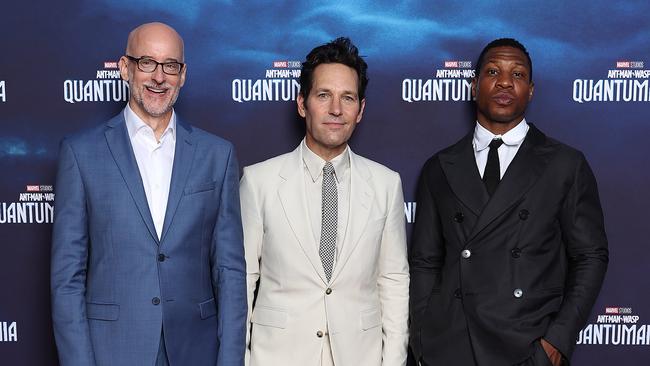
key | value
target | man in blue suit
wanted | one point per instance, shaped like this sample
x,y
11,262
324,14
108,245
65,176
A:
x,y
147,254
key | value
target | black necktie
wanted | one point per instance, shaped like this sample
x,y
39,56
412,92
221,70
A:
x,y
492,173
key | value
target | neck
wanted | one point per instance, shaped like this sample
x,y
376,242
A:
x,y
324,152
157,123
499,128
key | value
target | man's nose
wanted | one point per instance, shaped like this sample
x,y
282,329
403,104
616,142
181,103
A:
x,y
158,75
335,107
504,80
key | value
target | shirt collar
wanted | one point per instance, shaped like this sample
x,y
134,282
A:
x,y
514,137
315,163
135,124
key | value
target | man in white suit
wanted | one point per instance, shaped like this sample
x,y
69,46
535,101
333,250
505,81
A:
x,y
324,235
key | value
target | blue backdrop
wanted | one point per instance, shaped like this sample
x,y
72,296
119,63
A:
x,y
591,71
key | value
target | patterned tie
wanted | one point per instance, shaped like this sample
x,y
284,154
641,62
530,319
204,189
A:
x,y
492,174
329,220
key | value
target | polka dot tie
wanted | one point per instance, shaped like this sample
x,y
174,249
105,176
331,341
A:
x,y
329,220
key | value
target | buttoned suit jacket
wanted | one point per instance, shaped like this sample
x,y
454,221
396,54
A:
x,y
535,255
365,305
115,285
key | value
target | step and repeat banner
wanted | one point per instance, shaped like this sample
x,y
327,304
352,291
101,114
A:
x,y
58,74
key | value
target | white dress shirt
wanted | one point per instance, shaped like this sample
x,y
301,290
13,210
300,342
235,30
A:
x,y
313,177
155,161
511,142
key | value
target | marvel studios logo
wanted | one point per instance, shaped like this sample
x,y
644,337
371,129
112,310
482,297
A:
x,y
110,65
39,188
458,64
617,310
629,64
287,64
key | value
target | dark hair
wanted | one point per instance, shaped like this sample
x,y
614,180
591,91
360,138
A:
x,y
504,42
341,51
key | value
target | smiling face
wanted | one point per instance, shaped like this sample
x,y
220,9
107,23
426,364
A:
x,y
502,89
153,94
332,109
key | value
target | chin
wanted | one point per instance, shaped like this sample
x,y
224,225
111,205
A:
x,y
505,119
157,112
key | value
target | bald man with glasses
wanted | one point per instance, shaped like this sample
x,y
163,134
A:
x,y
147,253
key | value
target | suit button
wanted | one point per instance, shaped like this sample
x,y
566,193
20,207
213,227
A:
x,y
161,257
518,293
319,334
459,217
328,291
155,301
516,253
458,294
523,214
466,253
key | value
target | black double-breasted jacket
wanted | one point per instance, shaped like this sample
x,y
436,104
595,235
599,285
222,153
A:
x,y
490,276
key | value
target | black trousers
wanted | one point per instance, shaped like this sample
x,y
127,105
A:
x,y
539,358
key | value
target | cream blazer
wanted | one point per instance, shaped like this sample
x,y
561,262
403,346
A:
x,y
363,309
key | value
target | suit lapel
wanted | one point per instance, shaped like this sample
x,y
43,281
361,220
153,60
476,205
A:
x,y
361,198
183,158
522,173
117,138
292,197
459,165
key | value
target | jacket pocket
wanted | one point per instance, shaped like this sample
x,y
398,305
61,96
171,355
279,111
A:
x,y
556,290
376,223
200,187
208,308
370,319
102,311
271,317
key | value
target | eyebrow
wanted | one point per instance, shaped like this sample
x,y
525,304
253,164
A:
x,y
330,90
525,64
169,59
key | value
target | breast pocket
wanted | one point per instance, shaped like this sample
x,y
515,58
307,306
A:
x,y
375,226
199,187
377,222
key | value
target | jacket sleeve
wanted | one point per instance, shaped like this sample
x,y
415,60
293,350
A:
x,y
229,269
583,232
426,256
393,281
253,234
69,264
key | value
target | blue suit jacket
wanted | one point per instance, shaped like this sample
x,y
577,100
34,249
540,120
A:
x,y
115,285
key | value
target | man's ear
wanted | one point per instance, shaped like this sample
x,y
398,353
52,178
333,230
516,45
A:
x,y
183,73
362,107
302,108
123,64
474,82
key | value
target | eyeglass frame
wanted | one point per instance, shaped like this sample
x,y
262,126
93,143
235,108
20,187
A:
x,y
162,64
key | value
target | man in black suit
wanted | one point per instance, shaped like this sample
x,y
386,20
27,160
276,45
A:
x,y
509,248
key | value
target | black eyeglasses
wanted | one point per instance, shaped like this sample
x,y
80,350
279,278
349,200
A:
x,y
146,64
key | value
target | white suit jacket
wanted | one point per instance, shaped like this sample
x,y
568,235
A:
x,y
364,307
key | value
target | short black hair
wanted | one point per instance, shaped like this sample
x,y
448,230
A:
x,y
341,51
504,42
